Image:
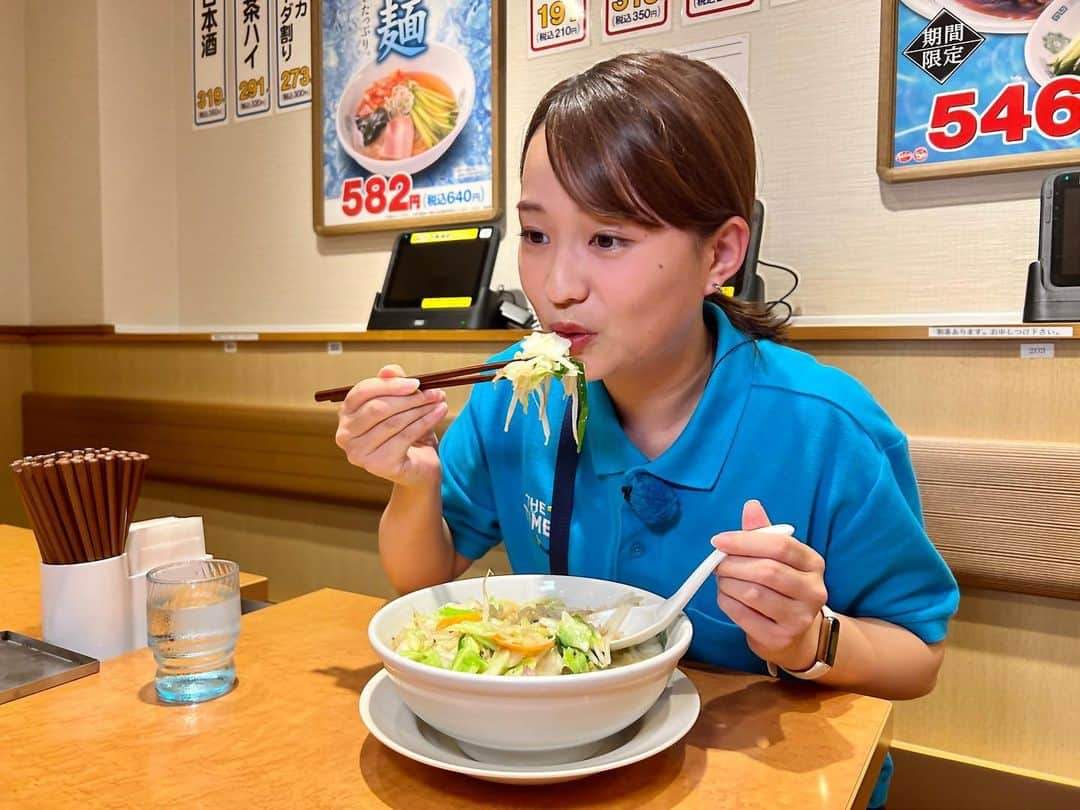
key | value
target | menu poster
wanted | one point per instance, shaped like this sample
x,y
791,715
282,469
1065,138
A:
x,y
557,25
251,58
978,86
292,37
208,96
407,115
699,11
633,18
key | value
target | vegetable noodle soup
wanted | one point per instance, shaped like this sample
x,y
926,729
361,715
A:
x,y
501,637
403,114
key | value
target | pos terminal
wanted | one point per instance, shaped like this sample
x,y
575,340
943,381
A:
x,y
440,279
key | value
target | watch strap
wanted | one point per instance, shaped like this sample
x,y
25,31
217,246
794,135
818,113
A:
x,y
821,665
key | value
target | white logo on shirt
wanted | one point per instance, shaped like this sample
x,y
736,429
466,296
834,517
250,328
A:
x,y
538,514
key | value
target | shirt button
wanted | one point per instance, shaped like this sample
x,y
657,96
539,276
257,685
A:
x,y
637,549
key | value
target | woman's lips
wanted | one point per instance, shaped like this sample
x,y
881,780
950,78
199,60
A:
x,y
578,336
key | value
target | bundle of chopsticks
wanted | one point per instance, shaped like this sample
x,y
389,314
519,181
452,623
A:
x,y
466,375
80,502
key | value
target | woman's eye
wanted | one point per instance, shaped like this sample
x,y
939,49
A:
x,y
533,237
607,241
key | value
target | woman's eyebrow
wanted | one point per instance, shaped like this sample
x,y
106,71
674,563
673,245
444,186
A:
x,y
529,205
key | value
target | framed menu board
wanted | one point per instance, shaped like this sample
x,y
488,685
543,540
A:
x,y
407,114
978,86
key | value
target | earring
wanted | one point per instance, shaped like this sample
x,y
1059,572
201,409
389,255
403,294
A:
x,y
717,287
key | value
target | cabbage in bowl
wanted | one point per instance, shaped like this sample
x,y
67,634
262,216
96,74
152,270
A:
x,y
502,637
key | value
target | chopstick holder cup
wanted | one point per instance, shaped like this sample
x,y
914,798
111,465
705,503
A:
x,y
86,607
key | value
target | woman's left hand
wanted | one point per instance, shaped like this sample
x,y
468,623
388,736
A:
x,y
773,587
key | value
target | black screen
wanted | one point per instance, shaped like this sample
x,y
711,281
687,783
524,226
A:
x,y
1066,266
447,269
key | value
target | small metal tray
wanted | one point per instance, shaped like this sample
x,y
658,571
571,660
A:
x,y
28,665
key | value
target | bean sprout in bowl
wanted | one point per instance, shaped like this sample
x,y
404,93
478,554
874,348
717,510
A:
x,y
538,719
402,114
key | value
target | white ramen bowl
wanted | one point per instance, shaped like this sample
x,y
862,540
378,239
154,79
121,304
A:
x,y
539,720
442,61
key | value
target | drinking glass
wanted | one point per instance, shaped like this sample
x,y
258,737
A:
x,y
192,623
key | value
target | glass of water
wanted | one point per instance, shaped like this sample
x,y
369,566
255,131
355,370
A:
x,y
192,623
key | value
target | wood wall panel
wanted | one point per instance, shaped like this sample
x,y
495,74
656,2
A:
x,y
275,450
1000,512
15,378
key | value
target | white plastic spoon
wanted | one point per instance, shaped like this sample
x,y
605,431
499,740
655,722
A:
x,y
643,622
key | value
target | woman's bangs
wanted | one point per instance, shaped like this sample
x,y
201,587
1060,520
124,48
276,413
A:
x,y
589,162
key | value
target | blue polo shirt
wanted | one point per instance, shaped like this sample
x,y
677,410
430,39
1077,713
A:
x,y
773,424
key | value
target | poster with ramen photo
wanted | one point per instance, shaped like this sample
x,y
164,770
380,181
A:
x,y
978,86
406,117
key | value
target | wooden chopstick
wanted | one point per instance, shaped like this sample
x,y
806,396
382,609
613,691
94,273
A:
x,y
466,375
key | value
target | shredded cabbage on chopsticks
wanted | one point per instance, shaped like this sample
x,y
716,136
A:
x,y
542,357
500,637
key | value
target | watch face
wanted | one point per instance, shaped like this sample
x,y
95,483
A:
x,y
830,635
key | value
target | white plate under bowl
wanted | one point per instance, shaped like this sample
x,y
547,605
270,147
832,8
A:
x,y
981,22
1036,56
446,63
390,720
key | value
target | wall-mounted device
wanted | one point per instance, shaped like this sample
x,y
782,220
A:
x,y
746,284
1053,284
440,280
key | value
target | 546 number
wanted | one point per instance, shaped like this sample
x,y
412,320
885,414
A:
x,y
955,124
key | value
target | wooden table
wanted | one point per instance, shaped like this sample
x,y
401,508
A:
x,y
20,582
290,736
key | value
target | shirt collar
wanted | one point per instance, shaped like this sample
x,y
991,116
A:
x,y
697,457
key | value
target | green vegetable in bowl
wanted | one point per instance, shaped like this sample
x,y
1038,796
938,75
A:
x,y
1067,60
501,637
545,356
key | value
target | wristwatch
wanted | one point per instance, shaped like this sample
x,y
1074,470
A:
x,y
828,636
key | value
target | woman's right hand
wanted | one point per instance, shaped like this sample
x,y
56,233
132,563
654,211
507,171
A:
x,y
387,427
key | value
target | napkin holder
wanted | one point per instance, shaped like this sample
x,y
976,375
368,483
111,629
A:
x,y
99,608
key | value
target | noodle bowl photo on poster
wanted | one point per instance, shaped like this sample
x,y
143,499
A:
x,y
403,114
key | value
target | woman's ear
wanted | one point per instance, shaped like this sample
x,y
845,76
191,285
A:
x,y
725,249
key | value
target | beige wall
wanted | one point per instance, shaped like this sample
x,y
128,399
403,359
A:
x,y
63,152
253,219
213,229
14,236
136,50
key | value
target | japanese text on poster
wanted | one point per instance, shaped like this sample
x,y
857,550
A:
x,y
698,11
628,18
292,38
251,57
557,25
208,59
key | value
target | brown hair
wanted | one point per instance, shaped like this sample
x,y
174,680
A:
x,y
658,139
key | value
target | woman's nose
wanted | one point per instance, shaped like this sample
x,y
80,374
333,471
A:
x,y
565,282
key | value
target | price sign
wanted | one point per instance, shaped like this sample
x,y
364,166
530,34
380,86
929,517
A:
x,y
292,26
557,25
407,118
697,11
973,94
956,119
251,57
208,25
626,18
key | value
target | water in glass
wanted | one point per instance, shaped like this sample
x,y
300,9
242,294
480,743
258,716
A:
x,y
192,623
